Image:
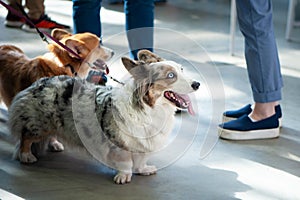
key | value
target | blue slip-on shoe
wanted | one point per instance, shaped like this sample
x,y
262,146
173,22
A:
x,y
234,114
244,128
246,110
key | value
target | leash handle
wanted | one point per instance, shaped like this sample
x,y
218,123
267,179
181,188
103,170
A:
x,y
41,33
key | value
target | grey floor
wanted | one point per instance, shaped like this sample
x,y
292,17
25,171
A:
x,y
196,164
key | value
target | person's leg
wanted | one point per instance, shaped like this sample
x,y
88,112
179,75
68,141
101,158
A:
x,y
86,16
11,19
36,9
139,25
36,13
14,3
256,23
255,20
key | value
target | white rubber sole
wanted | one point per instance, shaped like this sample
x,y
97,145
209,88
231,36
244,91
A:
x,y
13,24
249,135
28,29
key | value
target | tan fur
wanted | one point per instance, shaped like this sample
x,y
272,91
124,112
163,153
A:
x,y
18,72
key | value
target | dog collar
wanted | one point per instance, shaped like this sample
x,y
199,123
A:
x,y
72,69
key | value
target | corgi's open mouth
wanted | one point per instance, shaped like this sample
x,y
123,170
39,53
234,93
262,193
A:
x,y
100,65
182,101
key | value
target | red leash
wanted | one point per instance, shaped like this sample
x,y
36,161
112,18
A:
x,y
41,33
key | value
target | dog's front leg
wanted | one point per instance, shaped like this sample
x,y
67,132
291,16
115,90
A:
x,y
122,161
140,165
123,177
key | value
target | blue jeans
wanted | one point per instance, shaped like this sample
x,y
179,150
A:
x,y
139,21
256,24
86,16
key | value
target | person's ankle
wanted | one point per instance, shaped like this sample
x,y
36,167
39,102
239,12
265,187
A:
x,y
260,116
263,110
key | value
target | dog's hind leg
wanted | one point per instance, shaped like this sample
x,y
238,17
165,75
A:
x,y
25,154
27,138
54,145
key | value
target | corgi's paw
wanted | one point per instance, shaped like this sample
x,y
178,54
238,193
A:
x,y
148,170
55,146
27,157
122,178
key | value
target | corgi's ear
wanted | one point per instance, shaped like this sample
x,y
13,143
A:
x,y
78,47
148,57
129,64
59,34
138,69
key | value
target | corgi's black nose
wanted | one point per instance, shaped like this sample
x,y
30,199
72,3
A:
x,y
195,85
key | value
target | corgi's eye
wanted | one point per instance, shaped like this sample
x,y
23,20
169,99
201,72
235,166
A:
x,y
171,75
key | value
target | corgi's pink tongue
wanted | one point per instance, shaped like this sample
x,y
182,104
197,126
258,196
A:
x,y
191,110
182,101
189,103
